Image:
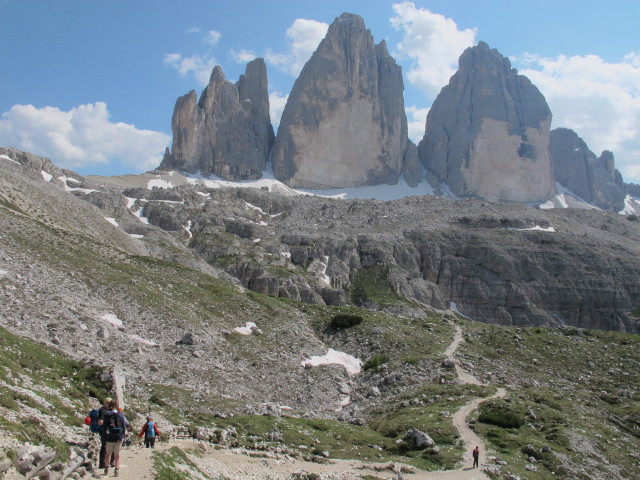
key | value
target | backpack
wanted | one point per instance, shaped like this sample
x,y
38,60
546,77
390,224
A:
x,y
114,430
151,430
93,417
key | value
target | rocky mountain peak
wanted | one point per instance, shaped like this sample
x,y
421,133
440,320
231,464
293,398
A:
x,y
487,133
228,131
594,179
344,123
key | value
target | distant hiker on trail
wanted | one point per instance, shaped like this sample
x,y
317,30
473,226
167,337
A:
x,y
115,430
103,442
476,456
150,432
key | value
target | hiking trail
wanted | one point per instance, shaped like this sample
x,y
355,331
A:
x,y
136,462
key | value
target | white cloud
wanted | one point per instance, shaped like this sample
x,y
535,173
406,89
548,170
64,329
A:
x,y
600,101
303,37
193,29
433,43
416,121
243,56
82,137
212,37
198,65
277,103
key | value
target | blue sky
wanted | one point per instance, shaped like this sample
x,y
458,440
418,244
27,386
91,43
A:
x,y
92,84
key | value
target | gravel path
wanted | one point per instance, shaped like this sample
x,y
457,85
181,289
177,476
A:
x,y
137,464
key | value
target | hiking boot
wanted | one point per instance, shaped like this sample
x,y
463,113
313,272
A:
x,y
116,472
106,471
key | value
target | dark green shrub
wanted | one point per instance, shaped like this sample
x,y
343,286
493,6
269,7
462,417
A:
x,y
345,321
501,416
375,362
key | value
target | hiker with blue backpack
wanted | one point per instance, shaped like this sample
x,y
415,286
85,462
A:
x,y
100,429
115,427
150,432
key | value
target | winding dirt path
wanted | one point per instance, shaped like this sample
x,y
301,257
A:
x,y
137,464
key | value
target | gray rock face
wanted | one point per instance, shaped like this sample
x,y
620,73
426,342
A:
x,y
228,131
493,260
487,133
412,167
344,124
592,178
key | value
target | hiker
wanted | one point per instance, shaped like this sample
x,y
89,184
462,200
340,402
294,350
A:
x,y
103,441
476,456
115,429
150,432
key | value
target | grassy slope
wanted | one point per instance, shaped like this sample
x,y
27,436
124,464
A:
x,y
582,387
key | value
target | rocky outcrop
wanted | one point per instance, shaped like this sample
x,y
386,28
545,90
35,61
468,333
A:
x,y
487,133
498,262
227,132
594,179
344,124
412,167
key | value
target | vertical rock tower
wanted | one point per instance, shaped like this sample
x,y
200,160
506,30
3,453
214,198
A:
x,y
487,133
228,131
594,179
344,124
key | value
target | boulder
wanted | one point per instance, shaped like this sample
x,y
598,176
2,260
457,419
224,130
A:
x,y
344,123
487,133
419,438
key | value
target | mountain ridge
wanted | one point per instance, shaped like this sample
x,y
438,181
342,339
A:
x,y
487,134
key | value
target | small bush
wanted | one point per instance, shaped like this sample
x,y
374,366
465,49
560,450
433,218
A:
x,y
345,321
500,416
375,362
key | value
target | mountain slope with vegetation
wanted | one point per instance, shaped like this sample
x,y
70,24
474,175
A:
x,y
80,296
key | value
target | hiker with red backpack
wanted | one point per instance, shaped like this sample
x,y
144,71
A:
x,y
150,432
115,427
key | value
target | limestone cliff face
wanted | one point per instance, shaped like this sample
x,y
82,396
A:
x,y
487,133
594,179
228,131
344,124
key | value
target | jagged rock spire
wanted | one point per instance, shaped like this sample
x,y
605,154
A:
x,y
344,124
228,131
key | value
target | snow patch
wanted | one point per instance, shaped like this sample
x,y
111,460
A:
x,y
67,188
187,228
454,307
160,183
47,176
112,319
4,157
247,329
268,182
536,228
136,235
629,207
255,207
323,274
140,214
112,221
352,365
143,341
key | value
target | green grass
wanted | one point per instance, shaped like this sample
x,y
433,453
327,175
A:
x,y
44,371
371,284
582,386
